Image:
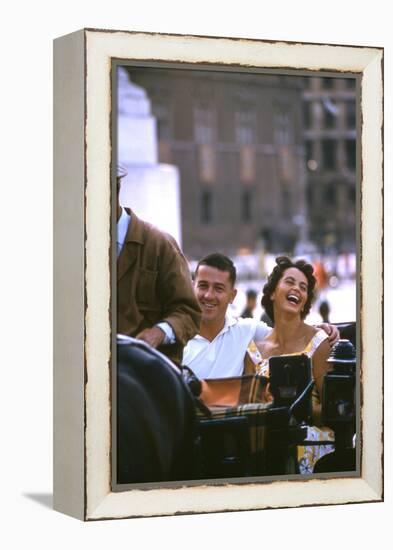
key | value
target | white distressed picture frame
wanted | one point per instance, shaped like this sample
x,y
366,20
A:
x,y
82,333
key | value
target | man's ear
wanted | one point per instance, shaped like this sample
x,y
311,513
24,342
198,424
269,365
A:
x,y
233,295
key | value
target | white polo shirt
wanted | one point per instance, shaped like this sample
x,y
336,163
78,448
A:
x,y
224,356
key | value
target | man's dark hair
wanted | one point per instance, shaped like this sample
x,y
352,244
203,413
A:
x,y
282,264
221,262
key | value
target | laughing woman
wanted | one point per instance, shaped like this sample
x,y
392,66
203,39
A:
x,y
287,298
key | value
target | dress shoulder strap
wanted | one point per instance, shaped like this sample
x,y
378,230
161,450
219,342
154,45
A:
x,y
319,337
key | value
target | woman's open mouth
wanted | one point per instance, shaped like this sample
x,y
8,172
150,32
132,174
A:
x,y
293,298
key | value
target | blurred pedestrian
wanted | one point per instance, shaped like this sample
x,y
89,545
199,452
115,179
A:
x,y
324,311
251,304
321,275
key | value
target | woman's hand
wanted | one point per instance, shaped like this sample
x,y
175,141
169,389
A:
x,y
332,332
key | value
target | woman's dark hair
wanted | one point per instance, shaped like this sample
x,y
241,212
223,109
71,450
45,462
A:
x,y
282,264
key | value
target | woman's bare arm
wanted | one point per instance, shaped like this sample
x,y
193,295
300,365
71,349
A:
x,y
320,367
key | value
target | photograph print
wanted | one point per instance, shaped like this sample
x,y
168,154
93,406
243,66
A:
x,y
235,210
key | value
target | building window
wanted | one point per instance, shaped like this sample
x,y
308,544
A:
x,y
245,126
328,83
350,149
352,195
309,150
286,203
330,112
204,123
282,122
161,112
163,131
307,114
206,207
329,154
246,202
329,195
350,115
329,119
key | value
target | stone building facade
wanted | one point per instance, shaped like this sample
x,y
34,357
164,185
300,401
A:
x,y
266,162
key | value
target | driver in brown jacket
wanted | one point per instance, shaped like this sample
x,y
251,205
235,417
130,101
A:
x,y
155,298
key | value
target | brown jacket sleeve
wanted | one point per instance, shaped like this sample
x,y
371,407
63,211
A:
x,y
179,306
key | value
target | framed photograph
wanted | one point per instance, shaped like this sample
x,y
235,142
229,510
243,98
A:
x,y
234,150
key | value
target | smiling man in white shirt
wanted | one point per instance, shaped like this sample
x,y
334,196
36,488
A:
x,y
219,348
